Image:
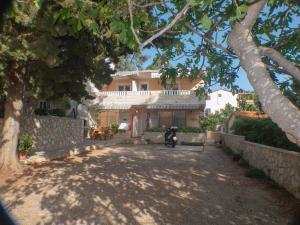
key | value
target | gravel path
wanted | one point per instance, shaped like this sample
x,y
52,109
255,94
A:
x,y
143,185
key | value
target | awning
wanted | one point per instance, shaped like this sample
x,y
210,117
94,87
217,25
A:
x,y
176,106
114,106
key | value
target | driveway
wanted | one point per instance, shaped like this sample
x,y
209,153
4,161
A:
x,y
144,185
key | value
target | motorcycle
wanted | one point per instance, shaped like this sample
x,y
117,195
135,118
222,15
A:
x,y
170,137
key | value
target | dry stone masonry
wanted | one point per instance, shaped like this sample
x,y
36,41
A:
x,y
281,165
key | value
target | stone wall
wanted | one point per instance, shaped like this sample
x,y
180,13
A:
x,y
280,165
159,138
51,133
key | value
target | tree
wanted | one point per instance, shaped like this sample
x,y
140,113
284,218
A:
x,y
210,121
52,48
262,37
131,62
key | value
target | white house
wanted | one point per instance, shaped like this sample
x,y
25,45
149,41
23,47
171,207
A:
x,y
217,100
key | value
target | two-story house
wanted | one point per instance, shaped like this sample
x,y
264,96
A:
x,y
217,101
137,98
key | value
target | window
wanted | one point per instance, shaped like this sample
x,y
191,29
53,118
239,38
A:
x,y
208,97
44,105
124,87
219,95
144,87
207,111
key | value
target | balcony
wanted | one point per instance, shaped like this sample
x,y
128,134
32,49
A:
x,y
148,93
164,99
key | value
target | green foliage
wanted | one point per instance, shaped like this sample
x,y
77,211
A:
x,y
190,130
210,121
41,112
236,157
121,131
228,151
180,129
256,173
57,112
243,162
25,144
263,131
156,129
62,44
114,126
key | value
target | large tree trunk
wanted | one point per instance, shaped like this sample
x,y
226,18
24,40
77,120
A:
x,y
278,107
11,122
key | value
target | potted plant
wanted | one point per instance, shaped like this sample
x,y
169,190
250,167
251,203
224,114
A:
x,y
114,128
25,146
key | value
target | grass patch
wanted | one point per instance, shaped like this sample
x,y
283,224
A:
x,y
256,173
228,151
243,162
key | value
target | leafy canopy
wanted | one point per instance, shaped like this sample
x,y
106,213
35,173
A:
x,y
63,44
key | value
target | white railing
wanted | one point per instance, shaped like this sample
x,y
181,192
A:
x,y
147,93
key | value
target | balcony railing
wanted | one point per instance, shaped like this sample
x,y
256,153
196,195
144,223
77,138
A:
x,y
148,93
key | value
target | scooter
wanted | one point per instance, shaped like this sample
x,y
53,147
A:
x,y
170,137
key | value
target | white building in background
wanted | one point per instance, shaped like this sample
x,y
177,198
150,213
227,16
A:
x,y
217,100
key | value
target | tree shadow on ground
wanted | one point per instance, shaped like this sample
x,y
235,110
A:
x,y
121,185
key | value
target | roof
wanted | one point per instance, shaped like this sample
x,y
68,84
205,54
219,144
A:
x,y
250,114
135,72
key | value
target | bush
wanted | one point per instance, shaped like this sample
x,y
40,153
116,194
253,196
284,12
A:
x,y
190,130
228,151
243,162
114,126
180,129
57,112
236,157
263,131
121,131
156,129
25,144
41,112
256,173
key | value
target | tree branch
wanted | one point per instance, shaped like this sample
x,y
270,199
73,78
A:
x,y
169,26
190,27
281,61
131,22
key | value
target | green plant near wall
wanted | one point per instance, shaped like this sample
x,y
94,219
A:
x,y
25,144
263,131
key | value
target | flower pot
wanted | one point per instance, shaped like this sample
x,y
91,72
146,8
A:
x,y
22,156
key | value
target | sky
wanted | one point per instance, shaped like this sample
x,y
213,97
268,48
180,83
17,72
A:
x,y
241,81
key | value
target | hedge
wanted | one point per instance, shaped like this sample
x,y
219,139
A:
x,y
263,131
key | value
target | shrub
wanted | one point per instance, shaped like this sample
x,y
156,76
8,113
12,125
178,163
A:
x,y
190,130
236,157
121,131
156,129
41,112
114,126
57,112
228,151
243,162
255,173
263,131
25,144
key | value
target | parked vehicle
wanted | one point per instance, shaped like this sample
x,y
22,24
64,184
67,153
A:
x,y
170,137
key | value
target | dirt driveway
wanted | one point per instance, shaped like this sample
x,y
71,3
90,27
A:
x,y
144,185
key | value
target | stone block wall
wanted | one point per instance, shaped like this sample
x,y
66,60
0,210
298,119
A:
x,y
280,165
159,137
51,133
